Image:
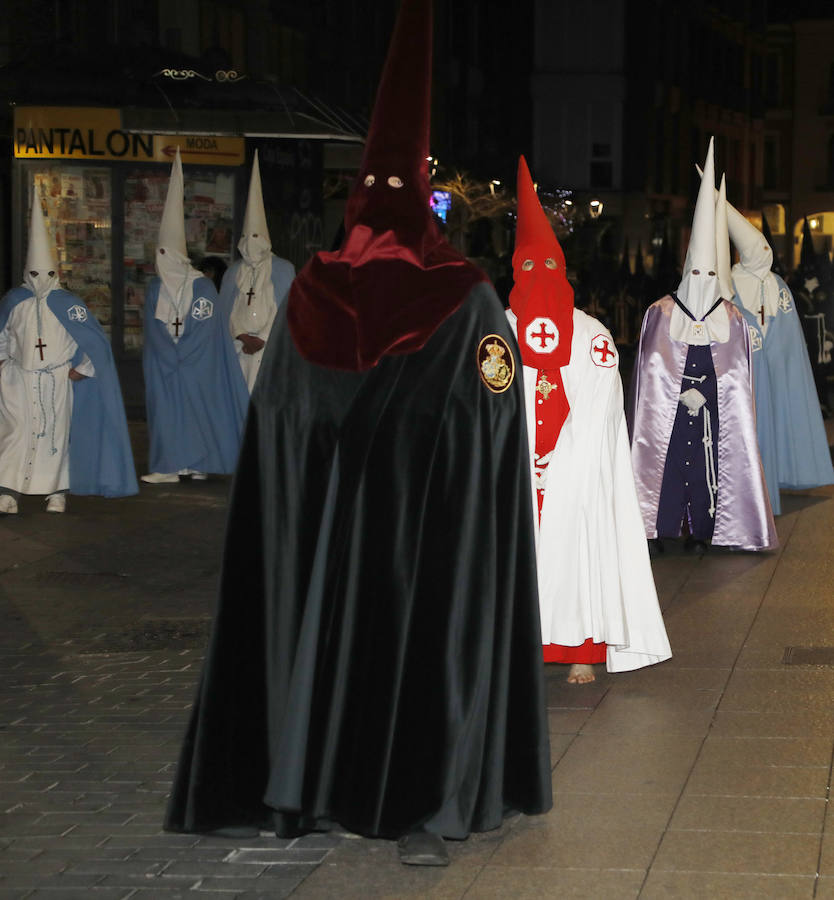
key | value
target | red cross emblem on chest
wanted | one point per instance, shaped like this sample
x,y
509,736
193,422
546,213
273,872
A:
x,y
603,352
542,335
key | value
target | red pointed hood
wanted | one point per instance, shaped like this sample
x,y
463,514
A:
x,y
395,279
542,297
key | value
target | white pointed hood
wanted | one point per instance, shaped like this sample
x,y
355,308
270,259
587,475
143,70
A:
x,y
722,243
172,226
254,243
756,285
753,282
172,263
754,251
699,287
40,274
255,299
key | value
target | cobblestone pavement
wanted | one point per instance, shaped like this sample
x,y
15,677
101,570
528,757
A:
x,y
105,613
708,776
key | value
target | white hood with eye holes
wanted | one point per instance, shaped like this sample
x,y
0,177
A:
x,y
254,304
700,285
756,285
39,259
172,263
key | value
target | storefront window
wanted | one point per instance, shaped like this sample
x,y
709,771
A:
x,y
76,203
209,227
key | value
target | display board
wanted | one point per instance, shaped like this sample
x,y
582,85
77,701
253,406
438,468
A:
x,y
76,201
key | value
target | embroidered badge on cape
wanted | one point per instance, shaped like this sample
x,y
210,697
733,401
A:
x,y
603,351
545,386
785,300
77,313
542,335
755,338
202,309
496,364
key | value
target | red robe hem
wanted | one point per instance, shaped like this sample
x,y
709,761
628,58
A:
x,y
587,653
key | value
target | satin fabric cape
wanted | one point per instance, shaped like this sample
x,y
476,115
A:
x,y
595,577
101,459
194,390
376,656
798,447
743,517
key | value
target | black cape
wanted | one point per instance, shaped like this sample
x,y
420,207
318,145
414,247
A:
x,y
376,654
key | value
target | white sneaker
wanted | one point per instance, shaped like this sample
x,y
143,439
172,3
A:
x,y
56,503
198,476
8,504
161,478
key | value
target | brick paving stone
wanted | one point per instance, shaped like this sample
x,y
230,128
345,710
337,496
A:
x,y
142,892
52,880
161,883
277,856
202,868
92,893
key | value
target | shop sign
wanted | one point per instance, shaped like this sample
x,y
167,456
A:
x,y
61,132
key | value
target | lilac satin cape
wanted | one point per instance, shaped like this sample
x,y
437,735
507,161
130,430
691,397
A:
x,y
743,517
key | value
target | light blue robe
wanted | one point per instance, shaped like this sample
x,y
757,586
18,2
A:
x,y
195,393
765,418
803,458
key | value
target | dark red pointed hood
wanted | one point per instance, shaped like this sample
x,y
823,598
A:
x,y
394,280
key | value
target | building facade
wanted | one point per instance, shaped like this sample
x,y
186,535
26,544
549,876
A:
x,y
626,94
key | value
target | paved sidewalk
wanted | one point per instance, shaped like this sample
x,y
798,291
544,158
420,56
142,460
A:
x,y
705,777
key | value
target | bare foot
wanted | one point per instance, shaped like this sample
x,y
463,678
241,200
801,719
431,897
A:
x,y
580,673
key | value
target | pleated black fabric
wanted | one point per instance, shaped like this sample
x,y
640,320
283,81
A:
x,y
376,654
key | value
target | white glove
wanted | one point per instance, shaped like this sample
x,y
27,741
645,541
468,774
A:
x,y
693,400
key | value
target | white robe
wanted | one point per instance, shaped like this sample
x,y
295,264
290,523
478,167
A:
x,y
255,317
35,401
595,577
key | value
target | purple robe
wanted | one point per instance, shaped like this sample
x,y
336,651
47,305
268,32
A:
x,y
743,518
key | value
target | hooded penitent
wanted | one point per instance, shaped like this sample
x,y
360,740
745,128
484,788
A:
x,y
254,277
699,317
172,263
792,439
749,279
542,297
624,275
777,264
756,288
380,520
807,254
41,273
394,280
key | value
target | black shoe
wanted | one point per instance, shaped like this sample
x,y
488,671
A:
x,y
655,548
693,545
422,848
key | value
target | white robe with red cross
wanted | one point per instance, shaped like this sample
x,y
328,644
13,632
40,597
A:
x,y
595,577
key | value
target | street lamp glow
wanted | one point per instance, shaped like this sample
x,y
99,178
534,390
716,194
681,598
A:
x,y
595,208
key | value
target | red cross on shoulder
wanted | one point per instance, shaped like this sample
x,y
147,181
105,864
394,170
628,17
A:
x,y
603,352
